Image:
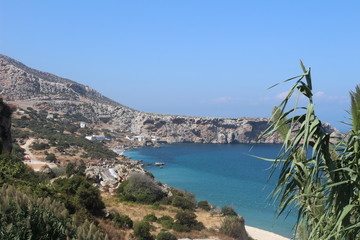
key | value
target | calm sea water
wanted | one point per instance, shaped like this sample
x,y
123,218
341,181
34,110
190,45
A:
x,y
223,175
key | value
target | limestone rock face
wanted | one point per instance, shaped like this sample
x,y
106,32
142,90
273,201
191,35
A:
x,y
41,90
172,129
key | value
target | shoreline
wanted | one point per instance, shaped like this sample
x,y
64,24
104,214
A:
x,y
260,234
254,232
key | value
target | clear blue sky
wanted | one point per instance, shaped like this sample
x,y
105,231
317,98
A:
x,y
191,57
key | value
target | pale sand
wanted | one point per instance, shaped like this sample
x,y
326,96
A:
x,y
260,234
255,233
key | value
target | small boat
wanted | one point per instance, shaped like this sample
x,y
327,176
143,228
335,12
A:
x,y
159,164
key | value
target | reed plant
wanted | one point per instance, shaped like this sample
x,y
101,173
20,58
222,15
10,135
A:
x,y
319,177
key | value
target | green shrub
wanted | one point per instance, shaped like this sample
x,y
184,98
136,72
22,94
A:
x,y
166,221
39,146
76,168
127,198
187,218
121,221
204,205
51,157
59,171
234,226
228,211
18,151
11,168
166,236
199,226
78,193
142,188
157,206
150,218
18,133
180,228
142,231
25,216
183,203
186,221
166,201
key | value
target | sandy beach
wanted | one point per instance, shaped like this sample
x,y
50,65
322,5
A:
x,y
255,233
260,234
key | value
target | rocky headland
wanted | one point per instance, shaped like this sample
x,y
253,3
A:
x,y
28,87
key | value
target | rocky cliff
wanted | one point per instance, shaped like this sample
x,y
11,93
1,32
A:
x,y
29,87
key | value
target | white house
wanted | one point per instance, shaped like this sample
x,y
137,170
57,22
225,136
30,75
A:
x,y
95,138
140,138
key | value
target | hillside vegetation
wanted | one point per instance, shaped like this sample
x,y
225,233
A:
x,y
65,204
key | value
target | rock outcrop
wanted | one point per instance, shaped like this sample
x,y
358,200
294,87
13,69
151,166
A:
x,y
29,87
109,178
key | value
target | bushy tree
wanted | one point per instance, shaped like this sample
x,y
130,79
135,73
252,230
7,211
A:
x,y
79,193
142,231
186,221
76,168
183,203
141,188
121,221
166,221
150,218
166,236
234,226
204,205
39,146
51,157
228,211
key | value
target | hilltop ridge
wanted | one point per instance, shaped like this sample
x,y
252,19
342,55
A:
x,y
28,87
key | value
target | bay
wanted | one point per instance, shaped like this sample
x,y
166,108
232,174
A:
x,y
223,174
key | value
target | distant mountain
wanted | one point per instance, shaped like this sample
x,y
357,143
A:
x,y
29,87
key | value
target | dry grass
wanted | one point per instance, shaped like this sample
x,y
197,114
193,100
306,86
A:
x,y
137,212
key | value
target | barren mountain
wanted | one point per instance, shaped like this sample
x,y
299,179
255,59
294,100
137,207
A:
x,y
25,86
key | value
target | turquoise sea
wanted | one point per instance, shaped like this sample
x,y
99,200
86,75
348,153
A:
x,y
223,174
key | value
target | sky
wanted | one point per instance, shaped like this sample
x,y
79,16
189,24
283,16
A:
x,y
192,57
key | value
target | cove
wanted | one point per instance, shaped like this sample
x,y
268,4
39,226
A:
x,y
223,174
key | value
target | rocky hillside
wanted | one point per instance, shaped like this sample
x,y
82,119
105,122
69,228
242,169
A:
x,y
28,87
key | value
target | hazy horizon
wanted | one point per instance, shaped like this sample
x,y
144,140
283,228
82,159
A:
x,y
199,58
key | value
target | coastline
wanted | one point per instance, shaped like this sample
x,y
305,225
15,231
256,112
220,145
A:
x,y
254,232
260,234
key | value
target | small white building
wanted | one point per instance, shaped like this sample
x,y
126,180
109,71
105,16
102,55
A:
x,y
50,116
140,138
95,138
